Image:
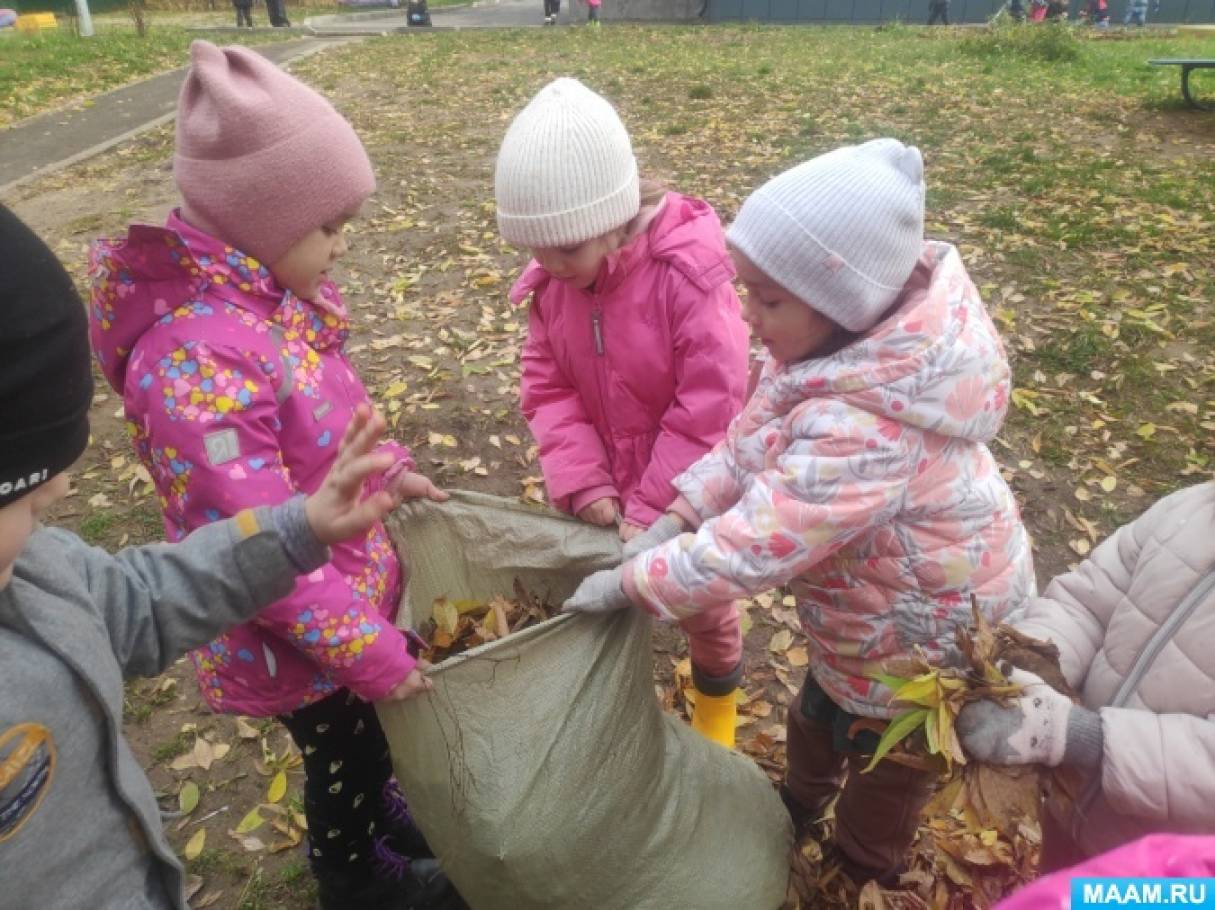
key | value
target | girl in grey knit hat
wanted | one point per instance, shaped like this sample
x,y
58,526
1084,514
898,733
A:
x,y
858,475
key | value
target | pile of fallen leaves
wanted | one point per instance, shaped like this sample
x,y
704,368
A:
x,y
457,626
980,837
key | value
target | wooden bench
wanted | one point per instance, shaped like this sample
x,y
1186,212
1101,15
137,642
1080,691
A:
x,y
1187,67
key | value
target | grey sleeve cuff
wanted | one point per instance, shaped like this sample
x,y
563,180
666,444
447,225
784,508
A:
x,y
1085,740
290,521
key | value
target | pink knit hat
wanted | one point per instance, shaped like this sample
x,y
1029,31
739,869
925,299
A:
x,y
261,158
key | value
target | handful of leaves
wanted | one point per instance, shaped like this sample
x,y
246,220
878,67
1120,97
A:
x,y
457,626
980,835
936,696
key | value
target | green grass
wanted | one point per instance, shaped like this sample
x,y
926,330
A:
x,y
180,744
1058,160
50,68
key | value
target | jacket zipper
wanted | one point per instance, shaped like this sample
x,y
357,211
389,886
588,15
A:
x,y
1163,636
597,328
1143,663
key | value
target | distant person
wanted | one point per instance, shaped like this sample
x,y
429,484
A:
x,y
1016,9
551,9
938,10
244,13
592,12
1136,13
1056,10
277,10
1098,13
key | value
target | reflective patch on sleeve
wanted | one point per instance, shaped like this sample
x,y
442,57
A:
x,y
27,769
246,522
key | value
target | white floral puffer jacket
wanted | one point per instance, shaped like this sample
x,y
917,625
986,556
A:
x,y
863,481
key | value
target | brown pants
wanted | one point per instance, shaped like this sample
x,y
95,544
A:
x,y
877,814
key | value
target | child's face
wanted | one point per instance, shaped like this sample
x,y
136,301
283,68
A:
x,y
303,268
578,265
17,520
788,328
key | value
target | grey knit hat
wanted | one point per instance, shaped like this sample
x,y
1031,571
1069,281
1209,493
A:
x,y
842,232
566,171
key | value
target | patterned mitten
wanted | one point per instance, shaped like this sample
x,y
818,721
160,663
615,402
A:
x,y
1032,729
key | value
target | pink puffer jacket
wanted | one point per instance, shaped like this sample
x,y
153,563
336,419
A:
x,y
625,387
1155,856
1135,626
862,480
237,394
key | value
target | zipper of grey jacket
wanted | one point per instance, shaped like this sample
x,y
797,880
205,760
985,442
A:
x,y
1143,663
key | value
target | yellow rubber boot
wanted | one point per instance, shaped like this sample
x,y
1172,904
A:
x,y
713,717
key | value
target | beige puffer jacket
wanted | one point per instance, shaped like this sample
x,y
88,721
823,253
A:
x,y
1135,626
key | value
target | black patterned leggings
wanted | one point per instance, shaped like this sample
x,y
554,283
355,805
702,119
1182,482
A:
x,y
354,809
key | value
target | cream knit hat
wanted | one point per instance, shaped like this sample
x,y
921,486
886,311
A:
x,y
842,232
566,171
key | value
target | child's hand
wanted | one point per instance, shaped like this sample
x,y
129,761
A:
x,y
338,511
412,685
415,486
628,530
601,512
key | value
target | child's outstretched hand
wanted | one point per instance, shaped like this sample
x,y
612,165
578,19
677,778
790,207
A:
x,y
601,512
414,684
338,511
414,486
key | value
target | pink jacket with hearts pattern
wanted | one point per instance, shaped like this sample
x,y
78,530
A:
x,y
862,480
236,394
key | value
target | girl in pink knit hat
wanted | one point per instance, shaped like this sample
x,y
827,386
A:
x,y
636,357
224,334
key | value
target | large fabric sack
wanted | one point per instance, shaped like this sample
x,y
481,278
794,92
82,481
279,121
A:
x,y
541,767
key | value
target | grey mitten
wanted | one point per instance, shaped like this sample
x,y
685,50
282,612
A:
x,y
598,593
665,528
1040,726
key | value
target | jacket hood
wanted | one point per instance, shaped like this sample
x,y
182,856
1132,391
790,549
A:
x,y
683,232
934,362
156,274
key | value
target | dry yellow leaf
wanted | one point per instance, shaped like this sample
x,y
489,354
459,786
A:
x,y
781,641
251,822
194,846
278,787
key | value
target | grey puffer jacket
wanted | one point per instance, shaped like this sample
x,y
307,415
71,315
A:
x,y
1135,626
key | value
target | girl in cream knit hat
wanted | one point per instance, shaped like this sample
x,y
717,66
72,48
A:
x,y
636,358
858,475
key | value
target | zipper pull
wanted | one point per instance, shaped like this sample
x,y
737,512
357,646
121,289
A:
x,y
597,326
